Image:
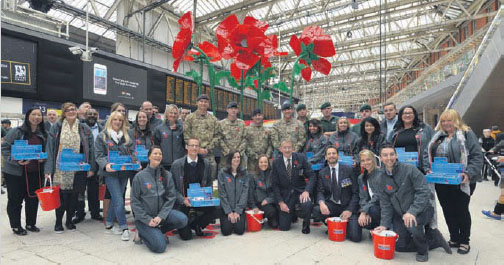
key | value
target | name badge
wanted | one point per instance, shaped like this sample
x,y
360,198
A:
x,y
346,183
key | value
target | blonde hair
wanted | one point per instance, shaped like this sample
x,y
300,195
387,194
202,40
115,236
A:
x,y
453,115
369,154
169,108
124,128
346,121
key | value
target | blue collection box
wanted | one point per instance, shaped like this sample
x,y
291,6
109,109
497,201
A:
x,y
445,173
345,160
121,163
21,150
142,153
70,161
407,157
309,155
201,196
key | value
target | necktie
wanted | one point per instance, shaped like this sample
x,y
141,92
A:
x,y
193,164
335,190
289,168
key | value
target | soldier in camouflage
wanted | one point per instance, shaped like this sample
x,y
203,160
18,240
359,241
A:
x,y
288,127
232,137
258,141
205,127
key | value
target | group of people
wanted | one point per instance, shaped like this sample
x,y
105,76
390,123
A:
x,y
261,169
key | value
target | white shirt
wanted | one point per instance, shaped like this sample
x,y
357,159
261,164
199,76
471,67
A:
x,y
369,189
189,160
336,169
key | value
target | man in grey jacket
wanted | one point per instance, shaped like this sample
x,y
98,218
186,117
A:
x,y
192,168
404,202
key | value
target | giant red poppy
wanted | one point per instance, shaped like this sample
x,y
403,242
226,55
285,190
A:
x,y
245,43
183,39
316,45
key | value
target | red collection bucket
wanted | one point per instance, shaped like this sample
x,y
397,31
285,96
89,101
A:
x,y
101,191
336,228
384,244
254,221
48,196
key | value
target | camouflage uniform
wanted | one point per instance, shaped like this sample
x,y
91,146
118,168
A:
x,y
292,129
258,140
329,125
232,138
206,128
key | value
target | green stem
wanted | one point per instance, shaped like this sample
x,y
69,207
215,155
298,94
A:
x,y
200,85
242,87
292,81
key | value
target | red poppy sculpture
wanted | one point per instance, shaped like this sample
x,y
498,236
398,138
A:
x,y
310,48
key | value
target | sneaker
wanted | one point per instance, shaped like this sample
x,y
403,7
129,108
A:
x,y
125,236
71,227
32,228
58,229
490,215
422,257
112,230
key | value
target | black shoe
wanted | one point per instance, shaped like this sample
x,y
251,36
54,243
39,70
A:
x,y
32,228
463,249
199,231
453,244
78,219
20,231
97,217
59,229
306,228
71,227
422,257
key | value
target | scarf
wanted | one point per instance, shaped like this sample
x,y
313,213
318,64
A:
x,y
115,136
461,139
69,138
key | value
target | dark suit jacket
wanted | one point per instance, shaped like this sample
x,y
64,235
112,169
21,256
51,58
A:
x,y
348,187
301,170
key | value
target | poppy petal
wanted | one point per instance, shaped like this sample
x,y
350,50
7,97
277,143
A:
x,y
306,72
245,61
176,64
263,26
186,21
310,33
323,46
236,72
211,51
295,44
322,65
225,48
182,40
227,26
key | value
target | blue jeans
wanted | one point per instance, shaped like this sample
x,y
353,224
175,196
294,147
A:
x,y
154,237
116,186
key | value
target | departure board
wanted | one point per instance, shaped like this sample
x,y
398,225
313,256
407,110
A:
x,y
170,89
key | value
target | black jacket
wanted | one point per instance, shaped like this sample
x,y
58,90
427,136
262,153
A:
x,y
301,170
177,171
347,185
171,141
261,189
11,166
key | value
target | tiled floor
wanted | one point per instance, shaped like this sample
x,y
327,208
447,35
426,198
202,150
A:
x,y
90,245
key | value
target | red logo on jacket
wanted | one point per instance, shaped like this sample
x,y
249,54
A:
x,y
327,176
296,162
237,129
389,187
260,183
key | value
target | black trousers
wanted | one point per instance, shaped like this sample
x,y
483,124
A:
x,y
499,208
285,219
17,192
196,216
413,239
227,227
354,230
92,198
68,200
271,213
455,205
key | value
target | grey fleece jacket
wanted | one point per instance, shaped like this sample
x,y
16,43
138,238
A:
x,y
365,200
233,191
9,166
406,191
104,144
152,195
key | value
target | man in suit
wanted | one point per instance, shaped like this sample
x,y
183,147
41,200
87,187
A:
x,y
338,194
289,186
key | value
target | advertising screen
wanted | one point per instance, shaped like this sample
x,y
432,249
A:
x,y
18,64
109,81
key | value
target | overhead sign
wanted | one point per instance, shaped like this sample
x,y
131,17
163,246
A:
x,y
18,64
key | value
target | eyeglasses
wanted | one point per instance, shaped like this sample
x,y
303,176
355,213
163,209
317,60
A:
x,y
70,110
193,145
408,113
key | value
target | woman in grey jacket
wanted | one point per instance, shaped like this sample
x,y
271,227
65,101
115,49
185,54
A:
x,y
233,190
369,202
68,132
455,141
153,196
23,177
115,138
261,192
170,136
345,140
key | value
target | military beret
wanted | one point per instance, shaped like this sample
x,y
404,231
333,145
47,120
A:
x,y
300,107
232,104
286,105
365,107
256,111
325,105
202,96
